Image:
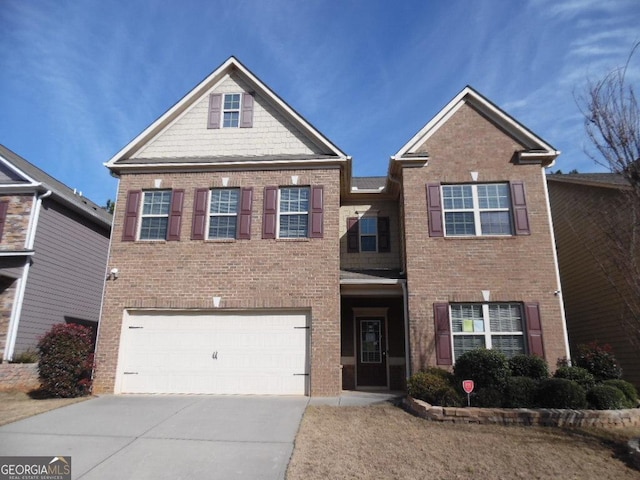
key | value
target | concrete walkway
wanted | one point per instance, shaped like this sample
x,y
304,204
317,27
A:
x,y
171,436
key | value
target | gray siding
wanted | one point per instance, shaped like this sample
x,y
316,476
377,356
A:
x,y
67,276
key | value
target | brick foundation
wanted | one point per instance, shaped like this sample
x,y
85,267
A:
x,y
19,376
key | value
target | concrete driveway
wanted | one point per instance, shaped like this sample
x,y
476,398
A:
x,y
164,437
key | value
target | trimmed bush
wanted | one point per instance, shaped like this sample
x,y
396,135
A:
x,y
520,392
433,388
599,360
627,388
28,356
606,397
577,374
530,366
487,397
66,361
487,368
560,393
440,372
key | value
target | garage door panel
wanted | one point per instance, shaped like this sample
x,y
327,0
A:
x,y
222,354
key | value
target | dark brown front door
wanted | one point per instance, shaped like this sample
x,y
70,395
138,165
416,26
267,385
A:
x,y
372,352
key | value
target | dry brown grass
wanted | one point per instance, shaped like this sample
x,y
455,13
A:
x,y
16,405
386,442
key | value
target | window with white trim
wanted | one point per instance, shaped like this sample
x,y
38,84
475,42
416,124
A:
x,y
293,212
223,212
155,215
498,326
477,209
231,110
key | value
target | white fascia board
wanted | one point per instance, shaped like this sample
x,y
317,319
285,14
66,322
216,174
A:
x,y
266,164
208,83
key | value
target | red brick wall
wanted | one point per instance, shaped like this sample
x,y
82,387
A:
x,y
514,268
246,274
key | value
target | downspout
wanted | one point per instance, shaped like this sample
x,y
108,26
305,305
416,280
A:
x,y
16,310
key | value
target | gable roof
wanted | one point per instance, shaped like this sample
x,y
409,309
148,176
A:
x,y
537,150
232,65
605,180
31,178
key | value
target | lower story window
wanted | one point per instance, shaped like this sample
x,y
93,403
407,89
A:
x,y
497,326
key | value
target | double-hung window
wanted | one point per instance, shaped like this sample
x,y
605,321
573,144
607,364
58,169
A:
x,y
498,326
477,209
223,213
231,110
368,234
155,215
293,214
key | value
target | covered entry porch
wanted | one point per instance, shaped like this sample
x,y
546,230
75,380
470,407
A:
x,y
373,331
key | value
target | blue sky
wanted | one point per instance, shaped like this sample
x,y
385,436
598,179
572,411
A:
x,y
81,78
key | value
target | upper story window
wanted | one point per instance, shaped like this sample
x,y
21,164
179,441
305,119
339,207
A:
x,y
293,213
155,215
159,212
368,234
497,326
223,212
231,110
477,210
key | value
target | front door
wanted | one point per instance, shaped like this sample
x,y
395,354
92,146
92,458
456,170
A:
x,y
372,352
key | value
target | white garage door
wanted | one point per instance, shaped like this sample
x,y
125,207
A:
x,y
248,353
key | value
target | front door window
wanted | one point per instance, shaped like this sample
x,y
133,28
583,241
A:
x,y
370,341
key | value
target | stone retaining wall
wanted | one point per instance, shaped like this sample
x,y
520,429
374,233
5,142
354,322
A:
x,y
524,416
19,376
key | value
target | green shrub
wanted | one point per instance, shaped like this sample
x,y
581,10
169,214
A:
x,y
577,374
66,361
487,397
433,388
530,366
440,372
606,397
599,360
627,388
28,356
560,393
520,392
487,368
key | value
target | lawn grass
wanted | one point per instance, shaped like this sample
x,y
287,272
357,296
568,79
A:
x,y
384,441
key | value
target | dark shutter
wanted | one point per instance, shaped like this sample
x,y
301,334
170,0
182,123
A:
x,y
353,244
4,207
443,334
316,227
175,215
534,329
434,207
270,212
200,210
131,216
520,215
384,242
215,108
244,216
246,115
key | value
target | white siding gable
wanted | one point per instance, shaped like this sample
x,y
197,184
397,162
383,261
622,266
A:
x,y
188,135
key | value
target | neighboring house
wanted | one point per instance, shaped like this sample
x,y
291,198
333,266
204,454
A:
x,y
53,252
587,209
251,261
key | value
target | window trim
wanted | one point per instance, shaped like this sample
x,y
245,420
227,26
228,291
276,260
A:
x,y
151,215
375,235
477,210
236,215
224,110
279,212
487,334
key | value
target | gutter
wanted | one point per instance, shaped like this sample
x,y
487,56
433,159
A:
x,y
16,310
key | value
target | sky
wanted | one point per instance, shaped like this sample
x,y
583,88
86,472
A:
x,y
79,79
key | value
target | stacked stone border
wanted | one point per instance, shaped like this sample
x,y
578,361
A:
x,y
19,376
544,417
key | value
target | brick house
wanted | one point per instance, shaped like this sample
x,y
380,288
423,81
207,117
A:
x,y
53,250
586,209
251,261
